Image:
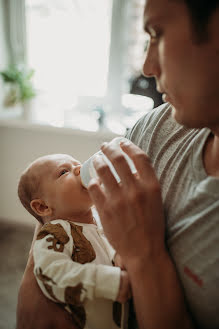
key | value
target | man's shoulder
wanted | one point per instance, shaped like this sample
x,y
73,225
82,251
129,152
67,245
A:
x,y
162,111
158,119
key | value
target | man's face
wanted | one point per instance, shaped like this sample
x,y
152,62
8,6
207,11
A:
x,y
186,72
61,186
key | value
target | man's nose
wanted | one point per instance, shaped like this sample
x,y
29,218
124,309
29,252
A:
x,y
151,66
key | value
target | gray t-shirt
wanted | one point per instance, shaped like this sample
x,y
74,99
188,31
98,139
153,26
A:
x,y
191,205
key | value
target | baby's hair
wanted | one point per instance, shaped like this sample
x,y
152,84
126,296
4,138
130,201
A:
x,y
28,189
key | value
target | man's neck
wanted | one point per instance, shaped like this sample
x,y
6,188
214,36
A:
x,y
211,155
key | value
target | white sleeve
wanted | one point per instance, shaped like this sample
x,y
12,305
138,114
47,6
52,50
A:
x,y
63,280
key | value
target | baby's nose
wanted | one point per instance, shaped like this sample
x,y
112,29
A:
x,y
77,170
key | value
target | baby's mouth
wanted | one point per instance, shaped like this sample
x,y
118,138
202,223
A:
x,y
83,187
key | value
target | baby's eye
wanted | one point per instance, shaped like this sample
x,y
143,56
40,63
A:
x,y
63,171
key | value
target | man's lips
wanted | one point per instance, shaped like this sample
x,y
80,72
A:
x,y
165,97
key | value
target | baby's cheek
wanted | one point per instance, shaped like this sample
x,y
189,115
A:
x,y
68,194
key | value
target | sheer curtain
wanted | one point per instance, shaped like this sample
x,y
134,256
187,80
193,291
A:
x,y
16,31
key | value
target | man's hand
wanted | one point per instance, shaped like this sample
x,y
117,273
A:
x,y
118,261
34,310
131,211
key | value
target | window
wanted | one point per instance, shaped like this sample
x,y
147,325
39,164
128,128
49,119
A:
x,y
85,55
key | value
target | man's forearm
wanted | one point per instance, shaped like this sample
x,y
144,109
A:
x,y
158,295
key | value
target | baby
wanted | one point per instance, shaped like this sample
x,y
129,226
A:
x,y
73,260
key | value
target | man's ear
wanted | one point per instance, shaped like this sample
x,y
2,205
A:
x,y
40,208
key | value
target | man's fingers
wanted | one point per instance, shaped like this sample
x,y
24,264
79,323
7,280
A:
x,y
96,193
116,157
105,174
140,160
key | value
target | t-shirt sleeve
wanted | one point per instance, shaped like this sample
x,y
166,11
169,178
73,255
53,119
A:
x,y
67,281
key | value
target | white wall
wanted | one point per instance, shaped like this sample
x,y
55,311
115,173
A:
x,y
21,144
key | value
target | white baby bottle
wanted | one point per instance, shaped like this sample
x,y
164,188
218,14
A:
x,y
88,171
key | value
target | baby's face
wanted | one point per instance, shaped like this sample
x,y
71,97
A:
x,y
61,185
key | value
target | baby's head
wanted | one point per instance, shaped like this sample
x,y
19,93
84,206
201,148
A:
x,y
50,188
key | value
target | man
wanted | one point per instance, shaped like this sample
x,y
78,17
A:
x,y
163,221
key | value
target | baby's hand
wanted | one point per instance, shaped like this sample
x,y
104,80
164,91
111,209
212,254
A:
x,y
124,288
118,261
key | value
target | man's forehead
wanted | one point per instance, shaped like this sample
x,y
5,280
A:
x,y
159,9
155,6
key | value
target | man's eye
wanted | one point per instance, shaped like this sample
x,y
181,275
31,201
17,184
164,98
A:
x,y
64,171
154,35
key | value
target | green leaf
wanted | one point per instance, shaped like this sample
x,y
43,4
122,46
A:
x,y
22,78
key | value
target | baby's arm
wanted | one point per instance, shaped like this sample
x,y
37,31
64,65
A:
x,y
124,288
118,261
69,282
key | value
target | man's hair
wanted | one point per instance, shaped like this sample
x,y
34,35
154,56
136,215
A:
x,y
28,189
201,12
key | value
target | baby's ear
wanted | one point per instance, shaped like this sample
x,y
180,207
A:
x,y
40,208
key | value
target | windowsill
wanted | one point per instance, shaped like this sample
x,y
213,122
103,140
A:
x,y
14,120
77,120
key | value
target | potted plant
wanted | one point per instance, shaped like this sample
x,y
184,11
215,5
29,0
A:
x,y
20,87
